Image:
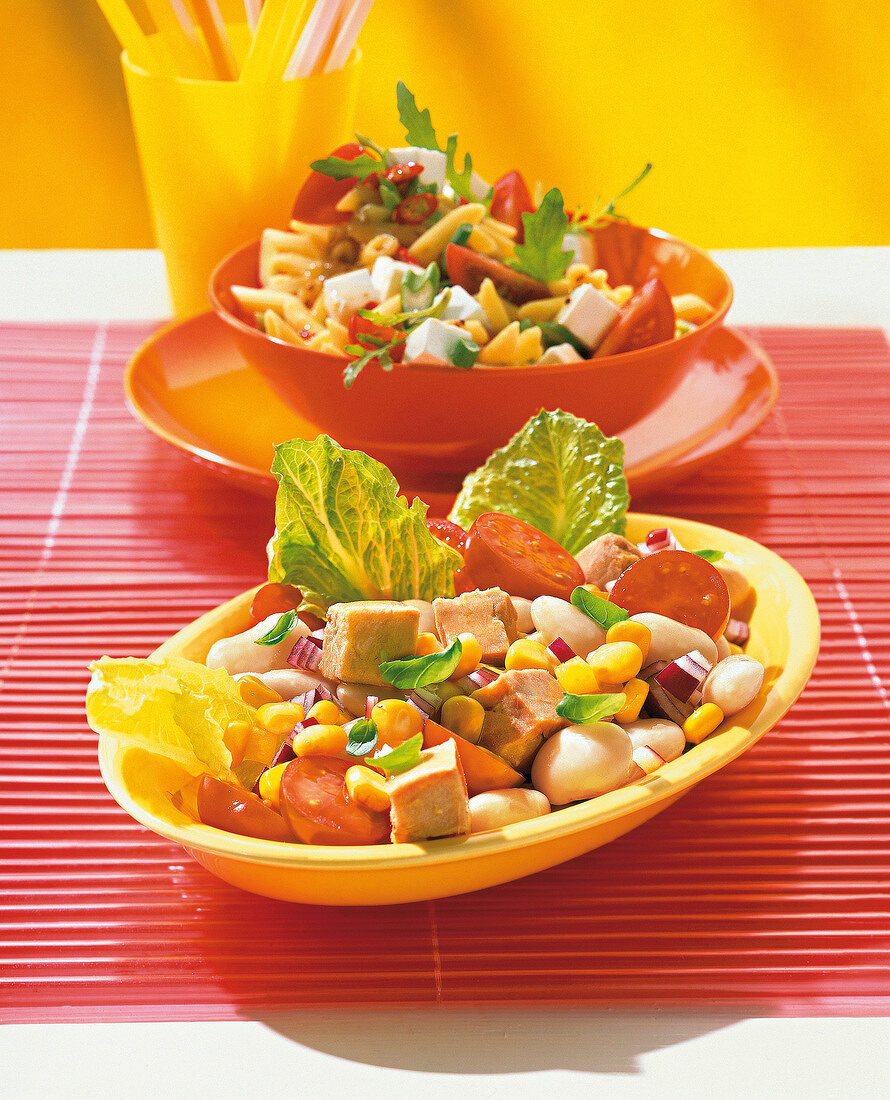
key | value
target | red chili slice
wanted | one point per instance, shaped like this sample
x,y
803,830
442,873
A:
x,y
415,208
402,174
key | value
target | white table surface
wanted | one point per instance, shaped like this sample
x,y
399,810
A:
x,y
463,1053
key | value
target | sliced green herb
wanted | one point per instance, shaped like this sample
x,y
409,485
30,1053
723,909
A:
x,y
590,708
555,333
540,255
415,672
709,555
462,234
464,353
401,758
418,124
602,611
419,288
280,630
362,737
390,195
339,169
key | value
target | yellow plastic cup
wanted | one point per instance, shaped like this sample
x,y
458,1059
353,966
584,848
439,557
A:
x,y
222,160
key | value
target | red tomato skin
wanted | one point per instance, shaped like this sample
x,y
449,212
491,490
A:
x,y
646,318
446,531
505,552
317,199
225,806
467,268
679,585
512,199
361,326
315,804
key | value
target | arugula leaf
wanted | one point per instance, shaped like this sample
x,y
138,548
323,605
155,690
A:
x,y
401,758
609,210
558,473
411,318
280,630
380,352
362,737
418,124
590,708
368,144
461,182
343,529
709,555
602,611
417,672
541,255
340,169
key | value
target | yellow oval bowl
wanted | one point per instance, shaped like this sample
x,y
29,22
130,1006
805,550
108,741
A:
x,y
784,637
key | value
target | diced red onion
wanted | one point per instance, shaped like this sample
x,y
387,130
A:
x,y
322,695
318,694
482,676
424,701
662,538
646,758
685,675
561,650
737,632
661,704
284,754
316,637
305,655
650,671
370,703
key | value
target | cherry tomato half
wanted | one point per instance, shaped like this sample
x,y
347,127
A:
x,y
274,599
505,552
402,174
415,208
315,804
646,318
225,806
317,199
361,327
512,199
677,584
446,531
467,268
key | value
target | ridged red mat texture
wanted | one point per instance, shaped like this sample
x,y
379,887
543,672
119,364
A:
x,y
767,887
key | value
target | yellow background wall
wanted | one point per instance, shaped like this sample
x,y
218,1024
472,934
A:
x,y
767,124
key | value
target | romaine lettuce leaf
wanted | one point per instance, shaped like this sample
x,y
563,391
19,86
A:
x,y
558,473
343,533
173,708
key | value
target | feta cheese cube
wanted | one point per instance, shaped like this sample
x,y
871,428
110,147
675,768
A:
x,y
588,314
560,353
434,338
432,160
387,275
345,294
462,306
581,247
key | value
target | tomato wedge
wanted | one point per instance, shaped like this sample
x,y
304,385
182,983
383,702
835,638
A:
x,y
225,806
446,531
512,199
679,585
360,328
272,598
508,553
467,268
646,318
315,804
317,199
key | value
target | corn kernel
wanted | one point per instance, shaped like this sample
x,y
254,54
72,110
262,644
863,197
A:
x,y
327,713
255,693
576,677
235,738
635,692
616,662
471,655
702,722
463,716
525,653
426,644
367,787
321,740
396,721
270,784
279,717
629,631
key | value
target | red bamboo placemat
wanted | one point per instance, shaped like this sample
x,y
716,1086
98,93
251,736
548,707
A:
x,y
768,886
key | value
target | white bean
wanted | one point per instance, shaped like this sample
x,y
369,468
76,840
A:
x,y
523,608
556,618
495,809
582,762
733,683
354,697
241,653
427,624
664,737
723,650
289,682
671,639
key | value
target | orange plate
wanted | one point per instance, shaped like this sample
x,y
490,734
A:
x,y
190,385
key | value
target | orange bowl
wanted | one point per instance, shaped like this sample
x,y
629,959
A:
x,y
423,419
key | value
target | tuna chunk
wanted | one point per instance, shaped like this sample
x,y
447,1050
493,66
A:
x,y
430,800
360,635
523,712
488,615
606,558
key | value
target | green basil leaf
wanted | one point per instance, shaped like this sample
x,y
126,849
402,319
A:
x,y
590,708
415,672
418,124
602,611
709,555
401,758
280,630
362,737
